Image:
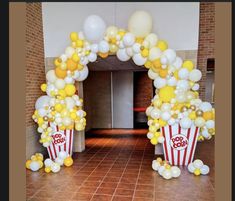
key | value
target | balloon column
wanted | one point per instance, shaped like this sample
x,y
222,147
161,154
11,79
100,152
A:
x,y
176,81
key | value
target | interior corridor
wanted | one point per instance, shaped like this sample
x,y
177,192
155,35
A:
x,y
116,166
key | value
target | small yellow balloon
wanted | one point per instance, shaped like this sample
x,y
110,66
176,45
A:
x,y
43,87
162,45
145,52
74,36
208,115
163,73
73,115
162,123
68,161
154,141
60,73
57,62
139,40
75,57
188,64
193,115
148,64
79,43
70,89
113,48
58,107
166,94
197,172
27,164
103,55
71,64
157,64
47,169
40,163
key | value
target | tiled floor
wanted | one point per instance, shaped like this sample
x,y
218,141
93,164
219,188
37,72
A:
x,y
117,167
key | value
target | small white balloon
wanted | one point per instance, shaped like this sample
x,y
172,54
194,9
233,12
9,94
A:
x,y
83,74
69,52
59,83
94,48
161,170
152,75
210,124
150,135
128,39
129,51
42,112
199,122
92,57
205,170
155,113
195,75
172,81
191,168
154,53
103,46
175,171
178,63
183,73
170,55
171,121
59,161
51,76
167,174
159,82
63,57
185,122
122,55
165,116
161,139
136,48
195,87
152,39
183,85
155,165
139,60
69,80
166,107
205,106
148,110
55,167
34,166
205,133
198,163
163,60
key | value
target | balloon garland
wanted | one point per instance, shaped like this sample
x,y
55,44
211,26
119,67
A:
x,y
176,81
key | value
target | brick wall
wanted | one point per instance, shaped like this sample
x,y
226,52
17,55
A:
x,y
35,69
35,73
206,40
143,89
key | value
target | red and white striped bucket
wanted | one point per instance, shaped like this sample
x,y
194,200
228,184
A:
x,y
180,144
62,141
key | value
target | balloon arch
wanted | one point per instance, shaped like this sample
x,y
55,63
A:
x,y
176,101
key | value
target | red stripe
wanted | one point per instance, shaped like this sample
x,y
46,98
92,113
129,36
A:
x,y
54,149
50,153
185,152
194,139
172,153
65,140
179,150
165,148
57,128
70,137
59,149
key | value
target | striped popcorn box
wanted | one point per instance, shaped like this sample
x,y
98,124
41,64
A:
x,y
180,144
62,140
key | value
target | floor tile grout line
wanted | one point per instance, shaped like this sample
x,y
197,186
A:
x,y
106,174
124,169
139,172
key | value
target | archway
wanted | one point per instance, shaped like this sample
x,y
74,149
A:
x,y
176,101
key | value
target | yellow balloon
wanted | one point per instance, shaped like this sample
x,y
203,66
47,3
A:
x,y
43,87
163,73
75,57
112,31
162,45
58,107
152,129
60,73
71,65
188,64
193,115
74,36
79,43
27,164
73,115
40,163
162,123
70,89
79,126
197,172
148,64
166,94
145,52
57,62
47,169
113,48
154,141
68,161
207,115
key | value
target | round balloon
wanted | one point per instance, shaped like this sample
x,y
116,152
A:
x,y
42,102
83,74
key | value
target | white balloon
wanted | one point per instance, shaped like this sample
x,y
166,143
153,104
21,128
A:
x,y
69,80
155,113
59,83
59,161
183,73
171,121
128,39
185,122
136,47
129,51
58,120
140,23
195,75
92,57
150,135
205,106
69,52
195,87
166,116
181,97
161,169
152,39
166,107
83,74
191,168
152,75
172,81
51,76
175,171
42,112
34,166
122,55
62,155
55,167
199,122
148,110
167,174
63,57
155,165
154,53
205,133
70,103
183,85
210,124
178,63
139,60
161,139
46,144
103,46
84,61
163,60
205,169
159,82
76,74
94,28
42,102
94,48
48,162
66,121
170,55
198,163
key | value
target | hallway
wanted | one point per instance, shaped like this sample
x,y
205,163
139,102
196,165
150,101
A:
x,y
116,166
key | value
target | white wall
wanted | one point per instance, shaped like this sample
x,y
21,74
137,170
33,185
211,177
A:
x,y
177,23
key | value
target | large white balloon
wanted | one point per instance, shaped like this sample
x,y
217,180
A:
x,y
42,102
128,39
139,60
50,76
159,82
122,55
140,23
83,74
94,28
154,53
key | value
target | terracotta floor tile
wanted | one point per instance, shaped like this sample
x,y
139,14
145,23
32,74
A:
x,y
81,197
88,190
101,198
144,194
108,185
126,186
111,179
121,198
141,187
146,199
124,192
106,191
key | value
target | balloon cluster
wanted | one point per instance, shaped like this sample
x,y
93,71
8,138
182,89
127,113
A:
x,y
164,169
176,81
197,167
35,163
54,166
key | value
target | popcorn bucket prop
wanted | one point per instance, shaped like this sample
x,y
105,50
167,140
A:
x,y
180,144
62,141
